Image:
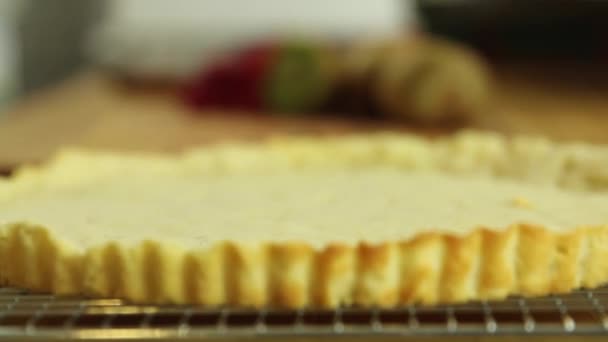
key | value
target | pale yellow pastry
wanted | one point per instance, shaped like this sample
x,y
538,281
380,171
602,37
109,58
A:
x,y
373,220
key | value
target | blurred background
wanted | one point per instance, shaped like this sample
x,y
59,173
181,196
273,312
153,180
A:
x,y
163,75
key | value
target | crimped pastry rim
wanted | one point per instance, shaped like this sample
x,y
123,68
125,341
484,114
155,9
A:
x,y
429,268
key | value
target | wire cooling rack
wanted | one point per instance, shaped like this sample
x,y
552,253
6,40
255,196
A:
x,y
25,316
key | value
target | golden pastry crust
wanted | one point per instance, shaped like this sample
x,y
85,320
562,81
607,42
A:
x,y
486,263
428,269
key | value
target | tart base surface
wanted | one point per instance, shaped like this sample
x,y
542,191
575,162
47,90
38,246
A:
x,y
279,262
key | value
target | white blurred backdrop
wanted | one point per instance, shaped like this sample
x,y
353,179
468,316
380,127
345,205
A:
x,y
163,38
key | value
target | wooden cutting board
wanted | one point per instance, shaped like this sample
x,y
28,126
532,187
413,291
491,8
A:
x,y
94,110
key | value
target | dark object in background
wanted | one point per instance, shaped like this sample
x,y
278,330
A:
x,y
518,29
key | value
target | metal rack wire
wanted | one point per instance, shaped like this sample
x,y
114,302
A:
x,y
28,316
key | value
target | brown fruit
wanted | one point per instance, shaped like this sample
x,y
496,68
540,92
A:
x,y
422,79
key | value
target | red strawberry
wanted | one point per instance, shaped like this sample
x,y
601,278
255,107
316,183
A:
x,y
232,83
209,89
